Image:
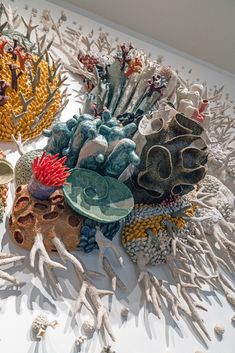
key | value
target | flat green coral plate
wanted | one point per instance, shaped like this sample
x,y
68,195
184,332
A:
x,y
97,197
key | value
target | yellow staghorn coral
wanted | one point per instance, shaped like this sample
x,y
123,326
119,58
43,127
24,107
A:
x,y
29,91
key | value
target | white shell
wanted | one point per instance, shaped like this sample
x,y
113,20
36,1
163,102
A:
x,y
219,329
231,299
39,325
80,339
124,312
88,328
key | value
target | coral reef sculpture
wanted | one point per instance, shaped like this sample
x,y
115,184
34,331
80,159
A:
x,y
30,84
183,219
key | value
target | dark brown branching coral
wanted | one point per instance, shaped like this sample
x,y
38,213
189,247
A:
x,y
173,157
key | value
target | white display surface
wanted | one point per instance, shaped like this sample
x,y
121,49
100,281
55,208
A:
x,y
143,331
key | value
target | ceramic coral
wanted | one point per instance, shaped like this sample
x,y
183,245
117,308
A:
x,y
30,83
173,157
40,324
97,197
6,175
42,226
49,173
100,144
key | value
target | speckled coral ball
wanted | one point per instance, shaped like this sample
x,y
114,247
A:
x,y
23,168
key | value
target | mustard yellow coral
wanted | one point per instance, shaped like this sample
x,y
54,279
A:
x,y
137,228
32,106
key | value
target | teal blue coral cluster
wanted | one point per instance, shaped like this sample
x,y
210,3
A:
x,y
100,143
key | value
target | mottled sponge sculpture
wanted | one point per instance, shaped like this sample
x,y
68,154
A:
x,y
173,157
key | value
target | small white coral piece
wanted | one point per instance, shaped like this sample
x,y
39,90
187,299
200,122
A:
x,y
40,324
219,329
107,350
80,339
124,312
88,328
231,299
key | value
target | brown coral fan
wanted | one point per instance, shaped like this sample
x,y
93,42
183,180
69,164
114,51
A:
x,y
29,90
50,218
173,157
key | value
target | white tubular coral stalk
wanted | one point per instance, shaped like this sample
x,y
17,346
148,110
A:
x,y
90,296
44,260
116,281
183,286
104,244
19,143
66,256
6,259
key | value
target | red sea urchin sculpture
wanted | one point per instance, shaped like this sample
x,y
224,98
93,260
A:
x,y
49,173
50,170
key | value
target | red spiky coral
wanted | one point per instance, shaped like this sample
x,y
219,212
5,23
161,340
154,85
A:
x,y
50,170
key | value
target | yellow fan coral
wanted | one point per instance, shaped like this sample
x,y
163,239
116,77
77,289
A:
x,y
29,90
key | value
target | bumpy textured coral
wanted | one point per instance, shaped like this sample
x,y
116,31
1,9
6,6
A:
x,y
150,229
3,193
97,143
40,324
173,157
23,167
29,90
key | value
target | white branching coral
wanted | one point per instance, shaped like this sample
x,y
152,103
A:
x,y
6,259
